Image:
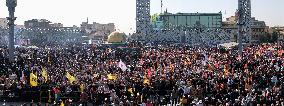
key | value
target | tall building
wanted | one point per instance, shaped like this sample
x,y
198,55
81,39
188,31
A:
x,y
143,16
190,20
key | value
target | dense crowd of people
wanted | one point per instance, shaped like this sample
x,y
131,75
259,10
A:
x,y
148,75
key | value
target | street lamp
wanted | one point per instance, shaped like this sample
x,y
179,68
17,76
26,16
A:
x,y
11,4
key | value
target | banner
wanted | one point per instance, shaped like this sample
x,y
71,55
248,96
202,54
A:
x,y
33,79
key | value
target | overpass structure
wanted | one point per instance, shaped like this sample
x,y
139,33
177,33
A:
x,y
143,26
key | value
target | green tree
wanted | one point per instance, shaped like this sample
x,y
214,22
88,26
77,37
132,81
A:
x,y
265,38
274,36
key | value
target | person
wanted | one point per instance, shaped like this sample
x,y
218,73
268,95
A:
x,y
84,98
56,94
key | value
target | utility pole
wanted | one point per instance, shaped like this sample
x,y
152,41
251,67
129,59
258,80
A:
x,y
11,4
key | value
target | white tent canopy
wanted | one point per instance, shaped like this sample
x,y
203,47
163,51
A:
x,y
229,45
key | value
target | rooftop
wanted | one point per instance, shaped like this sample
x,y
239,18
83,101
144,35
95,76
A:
x,y
192,14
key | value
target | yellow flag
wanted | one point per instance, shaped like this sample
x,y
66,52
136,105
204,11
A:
x,y
226,70
130,90
48,58
49,97
62,104
44,74
146,81
111,77
70,77
81,87
33,79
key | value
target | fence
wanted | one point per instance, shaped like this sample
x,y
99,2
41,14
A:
x,y
36,95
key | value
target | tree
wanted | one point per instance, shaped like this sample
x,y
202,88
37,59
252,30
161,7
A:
x,y
265,38
274,36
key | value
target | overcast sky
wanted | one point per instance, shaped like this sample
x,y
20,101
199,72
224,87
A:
x,y
122,12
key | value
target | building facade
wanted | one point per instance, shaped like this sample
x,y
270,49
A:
x,y
37,23
258,28
97,31
42,31
58,25
143,17
191,20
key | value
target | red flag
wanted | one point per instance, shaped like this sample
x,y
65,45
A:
x,y
246,66
141,62
239,57
217,65
149,73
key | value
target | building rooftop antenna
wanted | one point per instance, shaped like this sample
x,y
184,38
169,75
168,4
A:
x,y
87,20
161,6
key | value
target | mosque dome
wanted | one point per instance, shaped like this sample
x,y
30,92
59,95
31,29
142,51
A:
x,y
116,37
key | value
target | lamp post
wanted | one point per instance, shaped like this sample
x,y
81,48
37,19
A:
x,y
11,4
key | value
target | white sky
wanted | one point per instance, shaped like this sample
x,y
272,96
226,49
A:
x,y
122,12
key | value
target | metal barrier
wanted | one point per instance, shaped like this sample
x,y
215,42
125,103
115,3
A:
x,y
35,95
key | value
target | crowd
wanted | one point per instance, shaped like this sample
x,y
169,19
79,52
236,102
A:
x,y
148,75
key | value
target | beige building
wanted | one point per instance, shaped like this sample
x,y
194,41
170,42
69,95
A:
x,y
97,31
258,27
41,23
57,25
37,23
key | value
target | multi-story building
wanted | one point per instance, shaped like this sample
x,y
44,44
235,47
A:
x,y
37,23
190,20
58,25
259,28
143,17
98,31
41,23
39,31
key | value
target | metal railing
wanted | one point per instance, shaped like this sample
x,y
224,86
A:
x,y
36,96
